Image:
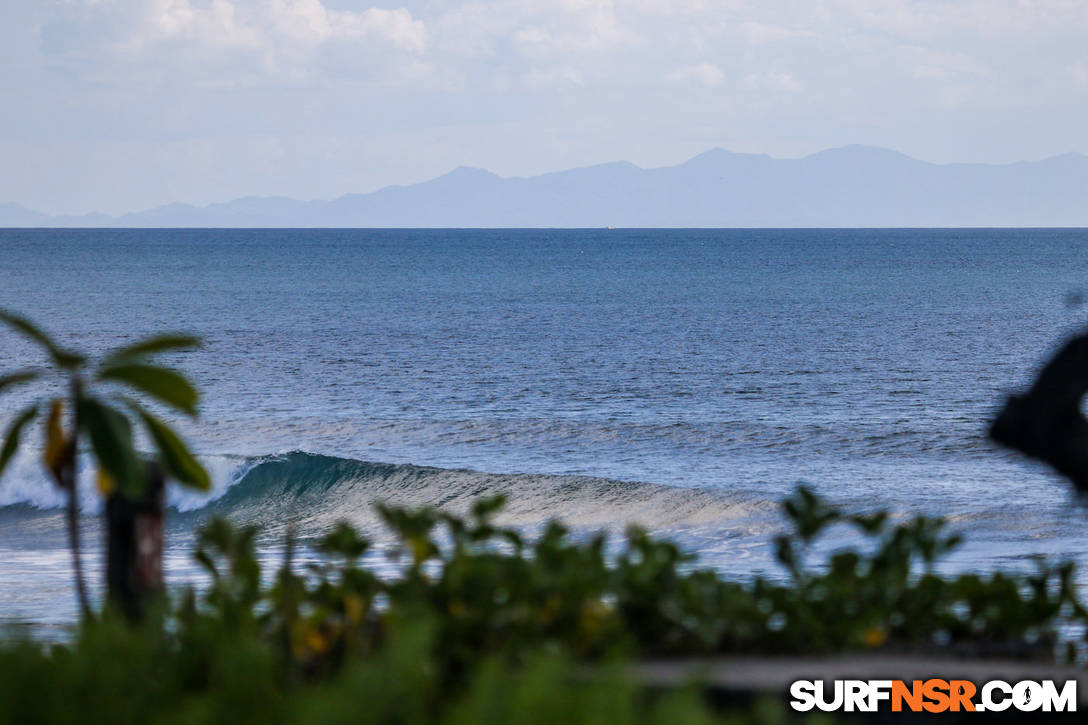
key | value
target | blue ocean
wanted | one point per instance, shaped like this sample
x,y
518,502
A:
x,y
683,379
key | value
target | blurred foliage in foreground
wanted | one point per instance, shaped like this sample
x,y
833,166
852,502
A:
x,y
105,402
482,626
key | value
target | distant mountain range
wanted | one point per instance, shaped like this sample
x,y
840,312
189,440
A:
x,y
852,186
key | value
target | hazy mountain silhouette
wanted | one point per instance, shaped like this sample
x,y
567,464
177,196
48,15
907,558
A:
x,y
852,186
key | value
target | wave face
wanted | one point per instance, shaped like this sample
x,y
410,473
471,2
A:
x,y
315,490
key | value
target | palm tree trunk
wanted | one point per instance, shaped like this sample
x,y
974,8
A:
x,y
71,485
77,559
134,546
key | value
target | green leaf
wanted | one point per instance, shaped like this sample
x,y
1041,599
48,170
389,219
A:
x,y
345,541
14,432
27,329
176,456
151,346
16,378
163,384
63,358
111,440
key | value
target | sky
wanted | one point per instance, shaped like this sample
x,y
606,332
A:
x,y
119,105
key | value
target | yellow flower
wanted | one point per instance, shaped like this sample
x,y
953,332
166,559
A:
x,y
106,484
354,607
593,617
874,637
307,640
316,641
55,441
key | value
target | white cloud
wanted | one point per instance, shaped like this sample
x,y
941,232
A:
x,y
583,28
972,76
310,22
1078,72
214,25
601,38
553,77
941,65
275,34
773,81
921,19
706,74
760,33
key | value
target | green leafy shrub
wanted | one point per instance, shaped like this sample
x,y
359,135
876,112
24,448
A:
x,y
479,625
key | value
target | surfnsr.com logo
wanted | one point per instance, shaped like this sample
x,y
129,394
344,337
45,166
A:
x,y
933,695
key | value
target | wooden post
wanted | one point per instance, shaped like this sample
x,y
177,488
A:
x,y
134,530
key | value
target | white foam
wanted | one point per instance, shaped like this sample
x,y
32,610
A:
x,y
225,471
26,482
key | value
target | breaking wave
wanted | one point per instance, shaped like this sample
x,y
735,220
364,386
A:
x,y
308,489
